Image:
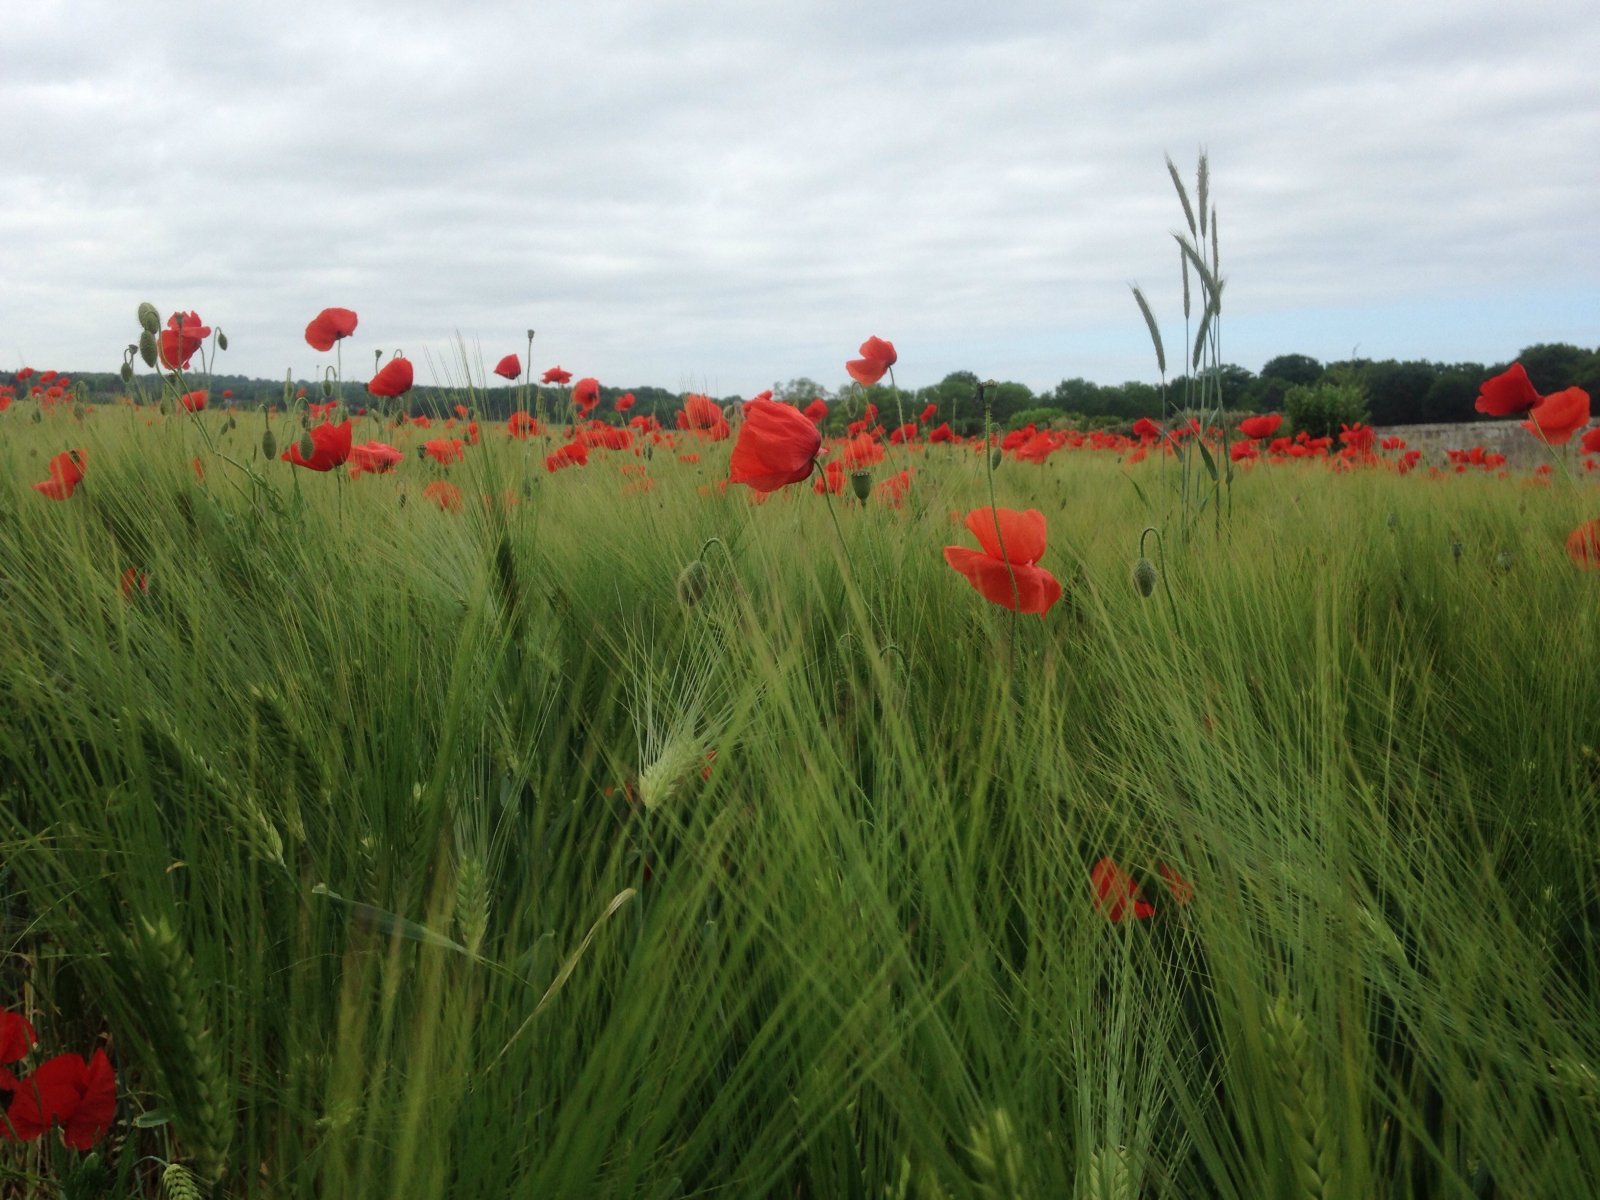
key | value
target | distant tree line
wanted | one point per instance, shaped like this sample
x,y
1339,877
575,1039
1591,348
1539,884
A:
x,y
1383,392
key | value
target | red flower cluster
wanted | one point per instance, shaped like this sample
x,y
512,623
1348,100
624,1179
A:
x,y
79,1096
1117,895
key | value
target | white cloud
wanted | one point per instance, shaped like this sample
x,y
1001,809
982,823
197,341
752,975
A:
x,y
738,193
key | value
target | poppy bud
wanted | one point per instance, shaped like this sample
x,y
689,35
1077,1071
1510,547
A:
x,y
165,407
308,446
229,424
1455,551
692,582
149,318
222,340
126,372
861,484
327,388
649,453
77,411
37,416
269,446
1145,577
147,348
995,457
1392,520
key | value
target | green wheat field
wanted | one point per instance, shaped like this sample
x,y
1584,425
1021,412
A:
x,y
597,841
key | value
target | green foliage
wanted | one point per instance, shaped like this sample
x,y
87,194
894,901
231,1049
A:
x,y
1322,409
337,832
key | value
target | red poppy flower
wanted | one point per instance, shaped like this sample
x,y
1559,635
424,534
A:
x,y
556,375
132,579
1256,427
625,402
181,338
509,367
376,458
1583,545
703,415
830,478
817,410
929,413
877,356
328,326
1116,894
444,450
16,1036
863,450
1559,415
1004,572
394,380
941,433
1182,890
66,473
331,446
777,446
81,1096
522,425
1507,393
1591,441
586,393
193,401
573,454
446,495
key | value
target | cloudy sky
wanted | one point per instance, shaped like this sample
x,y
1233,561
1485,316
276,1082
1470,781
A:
x,y
726,193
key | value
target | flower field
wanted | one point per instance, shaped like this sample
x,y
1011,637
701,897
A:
x,y
585,804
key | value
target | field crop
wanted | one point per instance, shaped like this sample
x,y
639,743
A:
x,y
477,823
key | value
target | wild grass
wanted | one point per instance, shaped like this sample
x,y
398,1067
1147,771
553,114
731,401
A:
x,y
386,848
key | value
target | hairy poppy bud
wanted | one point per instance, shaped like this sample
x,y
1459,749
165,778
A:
x,y
995,457
126,372
165,407
149,318
327,388
692,582
269,445
222,340
147,348
1145,577
861,484
308,446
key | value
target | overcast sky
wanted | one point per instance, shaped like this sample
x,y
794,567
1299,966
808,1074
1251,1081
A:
x,y
726,193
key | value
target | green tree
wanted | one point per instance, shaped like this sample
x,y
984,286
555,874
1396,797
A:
x,y
1321,409
1293,368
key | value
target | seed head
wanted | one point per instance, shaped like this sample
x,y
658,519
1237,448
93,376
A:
x,y
861,484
